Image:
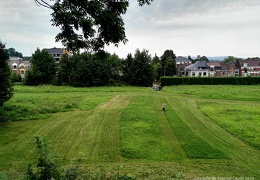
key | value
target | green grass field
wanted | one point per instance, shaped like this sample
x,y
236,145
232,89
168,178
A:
x,y
207,131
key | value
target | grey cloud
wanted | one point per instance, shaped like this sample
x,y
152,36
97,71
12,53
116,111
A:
x,y
23,23
162,9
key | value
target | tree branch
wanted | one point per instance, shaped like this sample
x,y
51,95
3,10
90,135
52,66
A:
x,y
43,3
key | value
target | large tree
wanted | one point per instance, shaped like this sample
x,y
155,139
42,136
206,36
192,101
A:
x,y
129,69
168,67
43,69
138,70
6,90
229,59
156,63
89,23
115,67
88,69
65,67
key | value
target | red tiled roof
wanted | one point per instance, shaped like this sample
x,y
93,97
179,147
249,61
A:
x,y
251,62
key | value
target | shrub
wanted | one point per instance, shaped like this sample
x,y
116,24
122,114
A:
x,y
16,78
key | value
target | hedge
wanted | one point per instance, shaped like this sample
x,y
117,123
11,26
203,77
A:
x,y
169,81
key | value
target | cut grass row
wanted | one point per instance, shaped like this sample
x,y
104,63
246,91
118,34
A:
x,y
194,146
141,132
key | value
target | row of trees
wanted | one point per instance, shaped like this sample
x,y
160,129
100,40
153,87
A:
x,y
100,68
13,53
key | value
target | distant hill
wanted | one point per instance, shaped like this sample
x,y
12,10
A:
x,y
213,58
217,58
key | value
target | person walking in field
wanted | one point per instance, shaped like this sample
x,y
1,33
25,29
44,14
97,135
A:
x,y
163,107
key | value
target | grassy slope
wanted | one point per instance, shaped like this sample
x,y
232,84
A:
x,y
124,127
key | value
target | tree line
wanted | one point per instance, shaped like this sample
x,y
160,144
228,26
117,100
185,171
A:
x,y
88,69
100,69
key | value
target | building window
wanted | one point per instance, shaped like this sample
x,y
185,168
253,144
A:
x,y
22,71
193,73
200,73
204,74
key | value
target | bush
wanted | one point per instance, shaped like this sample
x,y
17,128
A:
x,y
16,78
48,167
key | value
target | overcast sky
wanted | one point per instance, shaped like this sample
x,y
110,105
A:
x,y
188,27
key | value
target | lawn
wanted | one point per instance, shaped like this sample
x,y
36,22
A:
x,y
206,131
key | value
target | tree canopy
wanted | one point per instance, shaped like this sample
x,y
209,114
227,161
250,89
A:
x,y
43,69
169,65
229,59
12,52
88,69
6,90
89,24
138,70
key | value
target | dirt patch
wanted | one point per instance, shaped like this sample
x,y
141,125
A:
x,y
117,102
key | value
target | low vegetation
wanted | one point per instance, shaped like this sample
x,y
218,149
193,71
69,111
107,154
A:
x,y
121,132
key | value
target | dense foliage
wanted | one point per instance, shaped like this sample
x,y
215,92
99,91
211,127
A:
x,y
89,24
43,69
86,69
168,63
5,76
102,68
138,70
157,66
13,53
99,69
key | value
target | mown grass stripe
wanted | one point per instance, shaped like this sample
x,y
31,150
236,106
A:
x,y
168,132
141,132
194,146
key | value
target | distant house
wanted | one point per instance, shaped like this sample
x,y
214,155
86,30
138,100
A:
x,y
248,67
57,52
18,66
214,69
182,60
229,69
198,69
181,63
